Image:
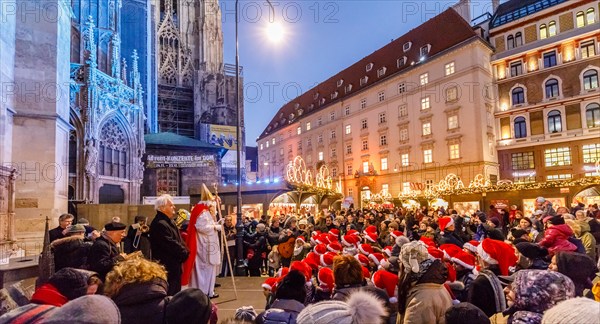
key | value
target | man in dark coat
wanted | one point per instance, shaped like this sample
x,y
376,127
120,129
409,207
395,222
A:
x,y
64,220
104,254
168,248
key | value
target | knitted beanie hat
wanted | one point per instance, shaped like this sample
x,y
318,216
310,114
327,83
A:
x,y
188,306
360,307
575,310
245,313
70,282
412,254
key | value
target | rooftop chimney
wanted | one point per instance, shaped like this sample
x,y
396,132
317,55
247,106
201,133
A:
x,y
463,7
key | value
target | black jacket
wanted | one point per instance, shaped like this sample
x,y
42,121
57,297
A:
x,y
142,303
70,252
56,233
166,243
450,238
103,256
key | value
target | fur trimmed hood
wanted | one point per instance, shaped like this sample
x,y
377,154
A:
x,y
360,307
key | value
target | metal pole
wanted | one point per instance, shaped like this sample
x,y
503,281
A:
x,y
240,269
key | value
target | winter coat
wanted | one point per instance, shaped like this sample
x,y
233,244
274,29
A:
x,y
142,303
259,246
282,311
274,258
56,233
426,303
70,252
273,235
450,238
103,255
581,229
556,238
48,294
485,294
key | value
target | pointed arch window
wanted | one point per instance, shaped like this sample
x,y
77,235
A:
x,y
113,151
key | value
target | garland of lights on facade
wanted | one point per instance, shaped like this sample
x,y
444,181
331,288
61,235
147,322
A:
x,y
298,175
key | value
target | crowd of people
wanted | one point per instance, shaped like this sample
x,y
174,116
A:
x,y
350,266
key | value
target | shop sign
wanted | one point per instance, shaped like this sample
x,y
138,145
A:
x,y
500,203
564,190
179,161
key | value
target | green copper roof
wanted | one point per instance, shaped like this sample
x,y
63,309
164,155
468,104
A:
x,y
172,139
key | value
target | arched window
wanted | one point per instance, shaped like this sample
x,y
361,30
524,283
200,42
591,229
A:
x,y
113,151
580,17
554,121
518,96
591,16
510,40
592,115
543,31
552,29
520,127
552,88
590,79
518,39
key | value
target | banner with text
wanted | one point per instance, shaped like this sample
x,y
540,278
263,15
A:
x,y
223,136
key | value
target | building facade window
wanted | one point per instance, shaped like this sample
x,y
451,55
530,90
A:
x,y
424,78
451,94
320,139
580,19
524,176
363,124
551,87
510,42
449,68
404,159
554,121
348,129
332,116
454,151
333,152
518,39
382,118
556,177
518,96
591,153
426,127
347,111
552,28
522,161
365,145
308,126
590,16
401,88
381,96
406,187
382,140
425,103
543,31
349,149
403,134
334,172
320,156
385,188
365,167
349,171
520,127
363,103
428,156
559,156
299,130
453,122
549,59
588,49
384,164
592,115
516,68
590,79
402,110
167,181
332,134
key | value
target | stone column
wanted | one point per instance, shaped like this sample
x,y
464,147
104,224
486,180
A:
x,y
8,12
41,122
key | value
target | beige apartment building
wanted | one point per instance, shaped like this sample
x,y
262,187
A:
x,y
399,120
546,68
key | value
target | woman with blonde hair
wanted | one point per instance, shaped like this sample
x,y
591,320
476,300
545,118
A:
x,y
139,288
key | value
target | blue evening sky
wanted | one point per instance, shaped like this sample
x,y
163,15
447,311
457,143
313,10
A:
x,y
321,39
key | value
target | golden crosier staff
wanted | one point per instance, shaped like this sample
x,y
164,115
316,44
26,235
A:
x,y
223,238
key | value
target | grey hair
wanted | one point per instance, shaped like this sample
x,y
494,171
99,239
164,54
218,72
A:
x,y
162,201
65,217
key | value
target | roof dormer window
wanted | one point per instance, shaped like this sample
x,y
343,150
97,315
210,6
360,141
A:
x,y
381,72
401,61
348,88
340,82
364,80
369,67
334,95
300,112
425,50
316,96
406,46
322,101
297,105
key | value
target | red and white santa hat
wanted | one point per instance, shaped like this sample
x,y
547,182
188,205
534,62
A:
x,y
332,238
362,259
444,223
313,260
334,231
471,246
325,277
376,258
303,268
352,232
322,239
327,259
435,253
334,247
270,283
320,249
497,252
366,272
301,238
450,250
428,241
395,234
388,250
365,249
282,272
371,237
350,240
371,229
387,281
313,237
464,259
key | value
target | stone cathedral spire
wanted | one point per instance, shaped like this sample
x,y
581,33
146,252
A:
x,y
211,35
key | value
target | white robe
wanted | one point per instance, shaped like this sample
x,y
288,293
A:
x,y
208,254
